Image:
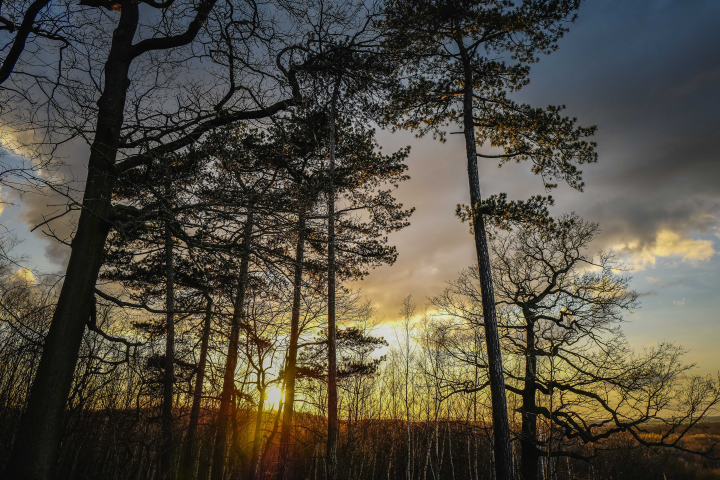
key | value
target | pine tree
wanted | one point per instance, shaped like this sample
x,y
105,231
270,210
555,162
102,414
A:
x,y
453,55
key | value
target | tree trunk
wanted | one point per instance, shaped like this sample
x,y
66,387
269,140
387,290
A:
x,y
165,467
501,425
257,439
332,441
284,469
220,448
529,453
39,434
190,453
450,450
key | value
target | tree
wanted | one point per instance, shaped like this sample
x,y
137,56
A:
x,y
141,255
237,322
346,85
407,353
189,454
118,57
192,69
454,53
297,147
356,170
568,361
263,346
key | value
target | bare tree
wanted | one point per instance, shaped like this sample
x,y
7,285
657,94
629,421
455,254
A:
x,y
407,353
567,359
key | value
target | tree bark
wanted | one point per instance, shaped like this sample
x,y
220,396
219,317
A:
x,y
501,425
166,447
39,434
190,453
220,448
285,471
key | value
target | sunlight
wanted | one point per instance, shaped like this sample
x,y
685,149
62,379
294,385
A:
x,y
273,395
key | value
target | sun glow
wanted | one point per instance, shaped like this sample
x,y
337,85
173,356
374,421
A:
x,y
273,396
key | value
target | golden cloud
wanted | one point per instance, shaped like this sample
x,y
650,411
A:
x,y
25,275
667,244
17,142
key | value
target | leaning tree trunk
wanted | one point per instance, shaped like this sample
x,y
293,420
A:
x,y
166,446
284,469
501,424
40,431
190,451
220,448
332,440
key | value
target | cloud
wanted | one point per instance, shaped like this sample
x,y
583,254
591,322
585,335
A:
x,y
679,303
66,170
24,275
670,243
37,209
24,144
666,244
659,282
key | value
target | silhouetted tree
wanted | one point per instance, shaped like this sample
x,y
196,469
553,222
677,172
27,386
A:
x,y
566,357
454,53
98,108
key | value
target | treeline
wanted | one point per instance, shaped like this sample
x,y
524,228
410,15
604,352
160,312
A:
x,y
417,409
413,406
235,185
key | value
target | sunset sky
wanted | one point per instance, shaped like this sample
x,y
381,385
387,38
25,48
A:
x,y
647,73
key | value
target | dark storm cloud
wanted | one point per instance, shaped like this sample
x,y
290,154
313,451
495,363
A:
x,y
647,73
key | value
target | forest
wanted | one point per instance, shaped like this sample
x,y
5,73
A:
x,y
206,325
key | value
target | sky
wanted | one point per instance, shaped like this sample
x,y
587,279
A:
x,y
647,73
